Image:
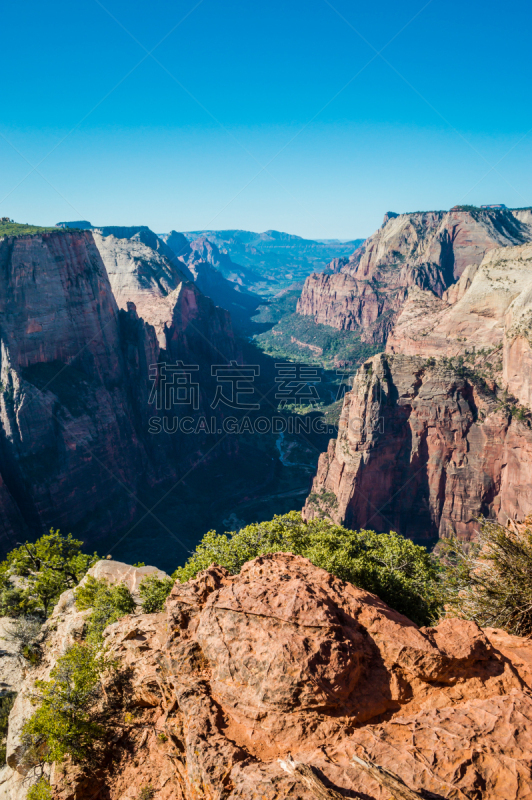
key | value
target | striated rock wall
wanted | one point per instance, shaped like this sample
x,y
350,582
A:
x,y
242,670
424,451
65,421
79,348
489,308
428,250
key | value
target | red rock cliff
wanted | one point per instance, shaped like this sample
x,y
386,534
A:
x,y
69,451
423,451
75,374
426,250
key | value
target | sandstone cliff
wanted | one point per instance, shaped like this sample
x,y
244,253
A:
x,y
423,449
79,354
489,309
428,250
184,319
241,671
69,452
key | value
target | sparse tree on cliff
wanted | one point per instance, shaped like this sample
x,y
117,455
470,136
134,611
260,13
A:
x,y
35,574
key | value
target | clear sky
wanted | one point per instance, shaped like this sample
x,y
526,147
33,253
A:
x,y
308,116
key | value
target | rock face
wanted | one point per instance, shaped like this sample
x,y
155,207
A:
x,y
425,250
80,350
477,311
11,662
60,631
489,308
215,274
424,451
283,658
426,447
68,446
184,319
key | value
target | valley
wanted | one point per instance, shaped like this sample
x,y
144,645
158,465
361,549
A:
x,y
145,304
441,296
364,436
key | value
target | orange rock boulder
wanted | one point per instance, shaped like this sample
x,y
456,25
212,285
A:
x,y
241,671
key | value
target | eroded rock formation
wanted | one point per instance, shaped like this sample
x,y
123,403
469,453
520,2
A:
x,y
424,450
483,309
426,250
240,671
79,353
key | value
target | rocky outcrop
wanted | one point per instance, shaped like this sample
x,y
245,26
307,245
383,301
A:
x,y
488,309
423,450
81,350
11,661
186,322
143,235
241,671
427,250
64,627
69,451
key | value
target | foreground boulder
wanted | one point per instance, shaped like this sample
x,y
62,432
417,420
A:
x,y
241,671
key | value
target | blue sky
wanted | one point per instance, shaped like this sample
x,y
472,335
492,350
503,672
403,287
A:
x,y
310,116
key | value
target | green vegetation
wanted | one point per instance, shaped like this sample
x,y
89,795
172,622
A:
x,y
490,580
278,307
314,343
66,720
324,502
34,574
63,723
108,604
40,790
18,229
467,208
6,704
153,592
398,571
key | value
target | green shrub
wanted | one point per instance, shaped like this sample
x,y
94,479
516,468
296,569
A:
x,y
108,604
63,722
401,573
48,567
153,592
40,790
490,580
6,704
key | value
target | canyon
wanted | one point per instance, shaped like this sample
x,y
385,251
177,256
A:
x,y
436,431
86,319
428,250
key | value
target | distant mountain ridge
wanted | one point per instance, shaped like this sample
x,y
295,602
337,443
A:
x,y
428,250
279,259
258,263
